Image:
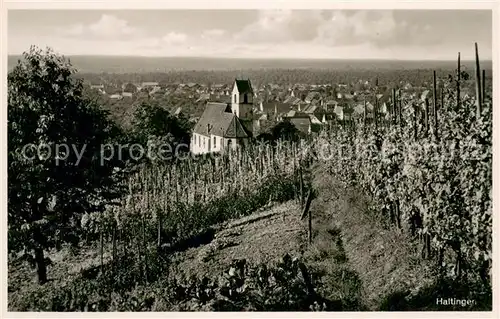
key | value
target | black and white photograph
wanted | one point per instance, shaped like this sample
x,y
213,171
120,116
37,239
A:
x,y
249,160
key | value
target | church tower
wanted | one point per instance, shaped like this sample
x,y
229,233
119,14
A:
x,y
242,102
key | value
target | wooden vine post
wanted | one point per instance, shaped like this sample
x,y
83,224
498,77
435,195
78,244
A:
x,y
483,84
400,111
308,213
442,98
478,85
458,83
394,107
435,106
307,280
101,242
309,224
159,213
301,185
145,249
426,118
115,230
415,128
364,116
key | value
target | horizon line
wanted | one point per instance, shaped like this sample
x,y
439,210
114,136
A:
x,y
256,58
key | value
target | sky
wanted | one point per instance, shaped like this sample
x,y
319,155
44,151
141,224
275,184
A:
x,y
310,34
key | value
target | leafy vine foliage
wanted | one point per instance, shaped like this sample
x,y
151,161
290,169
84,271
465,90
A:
x,y
434,183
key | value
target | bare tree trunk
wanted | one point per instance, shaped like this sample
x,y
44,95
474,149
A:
x,y
41,268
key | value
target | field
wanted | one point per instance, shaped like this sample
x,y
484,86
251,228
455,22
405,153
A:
x,y
124,64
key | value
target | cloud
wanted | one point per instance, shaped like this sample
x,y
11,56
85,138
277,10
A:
x,y
107,27
279,33
372,27
213,34
379,28
173,38
281,26
332,28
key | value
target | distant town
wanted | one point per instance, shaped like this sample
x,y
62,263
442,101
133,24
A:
x,y
309,107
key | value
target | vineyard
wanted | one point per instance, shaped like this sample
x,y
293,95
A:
x,y
172,208
166,206
426,166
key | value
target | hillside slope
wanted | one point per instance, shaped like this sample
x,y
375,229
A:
x,y
354,263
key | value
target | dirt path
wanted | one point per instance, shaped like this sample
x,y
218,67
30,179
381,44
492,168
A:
x,y
262,237
386,260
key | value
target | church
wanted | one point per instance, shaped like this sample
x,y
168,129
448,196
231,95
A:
x,y
224,126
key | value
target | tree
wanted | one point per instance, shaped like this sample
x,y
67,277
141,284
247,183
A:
x,y
129,87
56,170
150,119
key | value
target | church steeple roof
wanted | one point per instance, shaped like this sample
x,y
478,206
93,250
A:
x,y
244,86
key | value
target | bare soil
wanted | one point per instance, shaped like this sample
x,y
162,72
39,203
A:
x,y
262,237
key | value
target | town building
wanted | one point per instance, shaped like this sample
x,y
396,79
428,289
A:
x,y
224,126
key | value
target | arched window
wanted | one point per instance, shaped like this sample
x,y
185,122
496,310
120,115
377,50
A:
x,y
245,98
229,144
235,98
